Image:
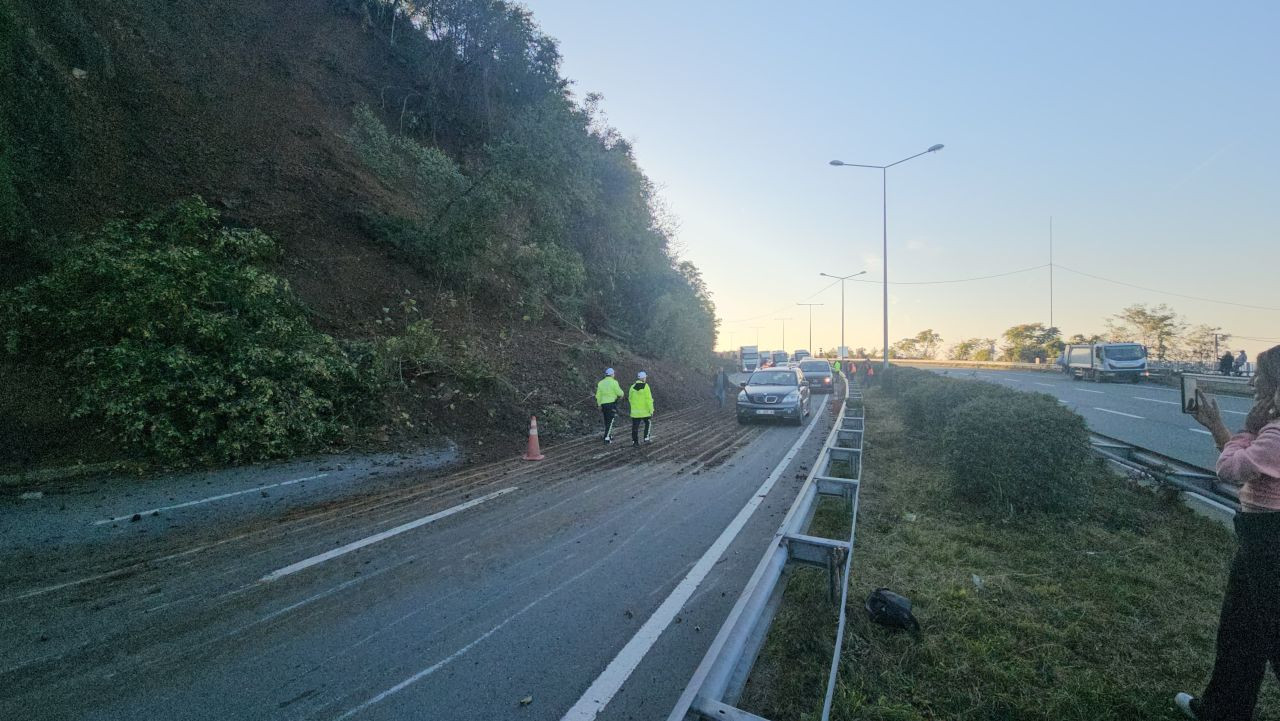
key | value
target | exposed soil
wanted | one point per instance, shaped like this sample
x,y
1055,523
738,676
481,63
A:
x,y
245,103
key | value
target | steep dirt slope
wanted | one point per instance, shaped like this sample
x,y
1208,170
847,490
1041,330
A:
x,y
246,104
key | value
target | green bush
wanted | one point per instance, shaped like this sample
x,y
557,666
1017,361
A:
x,y
172,333
1019,453
416,352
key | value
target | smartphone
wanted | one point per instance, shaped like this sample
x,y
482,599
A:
x,y
1188,394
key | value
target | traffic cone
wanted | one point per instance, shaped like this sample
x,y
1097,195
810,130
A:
x,y
533,453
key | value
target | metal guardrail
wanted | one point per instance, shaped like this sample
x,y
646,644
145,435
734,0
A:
x,y
718,682
1192,479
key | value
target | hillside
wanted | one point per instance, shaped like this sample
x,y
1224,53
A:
x,y
422,164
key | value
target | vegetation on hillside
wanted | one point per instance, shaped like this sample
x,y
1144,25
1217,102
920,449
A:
x,y
172,333
441,130
522,197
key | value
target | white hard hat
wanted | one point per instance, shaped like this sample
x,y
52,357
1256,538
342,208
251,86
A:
x,y
608,371
642,375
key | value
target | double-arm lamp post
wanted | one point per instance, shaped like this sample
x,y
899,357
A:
x,y
842,279
884,208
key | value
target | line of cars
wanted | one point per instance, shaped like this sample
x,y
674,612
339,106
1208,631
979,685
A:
x,y
784,392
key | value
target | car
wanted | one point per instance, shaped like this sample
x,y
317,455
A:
x,y
781,393
820,375
801,355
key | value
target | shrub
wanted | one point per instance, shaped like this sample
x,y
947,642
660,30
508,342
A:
x,y
1018,452
172,333
416,352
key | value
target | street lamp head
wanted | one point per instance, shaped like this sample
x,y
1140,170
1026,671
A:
x,y
861,272
935,148
838,163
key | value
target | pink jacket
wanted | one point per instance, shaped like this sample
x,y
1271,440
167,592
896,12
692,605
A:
x,y
1255,462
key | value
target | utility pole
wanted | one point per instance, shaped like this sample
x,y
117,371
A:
x,y
784,332
810,305
1051,271
756,328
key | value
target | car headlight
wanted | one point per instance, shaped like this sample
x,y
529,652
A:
x,y
792,397
827,380
742,396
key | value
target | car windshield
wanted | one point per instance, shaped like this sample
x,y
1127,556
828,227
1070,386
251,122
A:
x,y
772,378
820,366
1126,353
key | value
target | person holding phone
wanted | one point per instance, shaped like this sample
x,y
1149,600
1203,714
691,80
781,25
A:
x,y
1249,624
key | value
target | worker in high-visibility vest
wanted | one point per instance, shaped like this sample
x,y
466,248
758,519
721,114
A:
x,y
608,393
640,399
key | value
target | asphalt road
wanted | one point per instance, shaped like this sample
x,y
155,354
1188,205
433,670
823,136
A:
x,y
592,580
1143,414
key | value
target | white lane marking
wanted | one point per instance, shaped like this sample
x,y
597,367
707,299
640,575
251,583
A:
x,y
1046,385
355,545
1200,430
1126,415
610,681
1238,413
1086,390
208,500
1157,400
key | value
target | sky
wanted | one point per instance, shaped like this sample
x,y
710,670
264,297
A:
x,y
1145,130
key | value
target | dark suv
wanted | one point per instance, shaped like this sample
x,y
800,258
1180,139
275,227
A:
x,y
775,393
819,374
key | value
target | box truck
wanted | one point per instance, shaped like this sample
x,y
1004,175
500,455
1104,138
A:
x,y
749,357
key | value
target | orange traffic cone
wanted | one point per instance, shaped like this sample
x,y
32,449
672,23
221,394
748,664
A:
x,y
533,453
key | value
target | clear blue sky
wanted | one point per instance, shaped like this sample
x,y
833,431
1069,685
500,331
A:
x,y
1147,130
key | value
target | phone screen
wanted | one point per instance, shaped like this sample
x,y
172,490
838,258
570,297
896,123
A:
x,y
1188,394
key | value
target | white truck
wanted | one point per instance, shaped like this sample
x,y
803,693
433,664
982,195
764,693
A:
x,y
1105,361
749,357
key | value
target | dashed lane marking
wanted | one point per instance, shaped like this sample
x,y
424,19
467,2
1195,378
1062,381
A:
x,y
356,545
1086,390
1200,430
1119,413
210,499
1157,400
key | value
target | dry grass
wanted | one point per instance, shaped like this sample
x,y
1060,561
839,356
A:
x,y
1105,617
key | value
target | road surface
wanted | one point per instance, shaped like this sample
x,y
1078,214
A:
x,y
592,581
1143,414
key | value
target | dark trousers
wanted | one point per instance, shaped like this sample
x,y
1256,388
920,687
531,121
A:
x,y
610,411
1249,626
635,428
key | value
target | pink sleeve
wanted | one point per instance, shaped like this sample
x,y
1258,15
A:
x,y
1247,457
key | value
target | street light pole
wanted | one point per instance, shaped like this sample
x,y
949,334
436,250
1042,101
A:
x,y
842,279
884,225
811,305
784,332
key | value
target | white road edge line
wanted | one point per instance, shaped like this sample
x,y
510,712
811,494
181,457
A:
x,y
370,540
208,500
1200,430
1046,385
1086,390
1126,415
1157,400
1238,413
610,681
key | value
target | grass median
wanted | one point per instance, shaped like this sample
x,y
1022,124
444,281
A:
x,y
1104,614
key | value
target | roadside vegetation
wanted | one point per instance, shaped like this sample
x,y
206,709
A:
x,y
1030,607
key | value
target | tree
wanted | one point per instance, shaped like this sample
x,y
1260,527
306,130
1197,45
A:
x,y
927,343
971,348
1081,339
1031,341
1155,327
860,352
1201,344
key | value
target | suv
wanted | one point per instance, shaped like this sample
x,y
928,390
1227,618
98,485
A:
x,y
775,393
819,374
